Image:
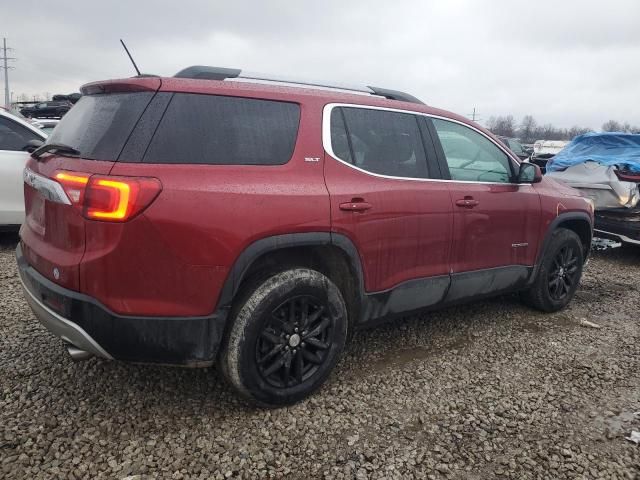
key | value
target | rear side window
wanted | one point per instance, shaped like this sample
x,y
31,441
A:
x,y
219,130
98,125
380,141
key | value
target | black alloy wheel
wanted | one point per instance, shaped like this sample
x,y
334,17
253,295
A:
x,y
286,335
294,341
563,274
559,272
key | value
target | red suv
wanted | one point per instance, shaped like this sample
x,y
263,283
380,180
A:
x,y
218,216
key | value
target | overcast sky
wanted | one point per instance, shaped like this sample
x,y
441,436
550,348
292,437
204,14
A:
x,y
564,62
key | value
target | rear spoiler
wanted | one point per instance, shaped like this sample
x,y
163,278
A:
x,y
135,84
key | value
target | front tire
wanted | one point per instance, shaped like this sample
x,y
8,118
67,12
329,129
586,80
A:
x,y
285,337
559,274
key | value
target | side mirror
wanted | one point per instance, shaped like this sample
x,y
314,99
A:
x,y
32,145
529,173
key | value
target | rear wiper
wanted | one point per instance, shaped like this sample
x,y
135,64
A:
x,y
54,147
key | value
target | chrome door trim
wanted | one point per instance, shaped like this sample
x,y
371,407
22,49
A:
x,y
326,143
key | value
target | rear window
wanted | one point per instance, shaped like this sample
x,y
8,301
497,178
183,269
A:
x,y
219,130
98,125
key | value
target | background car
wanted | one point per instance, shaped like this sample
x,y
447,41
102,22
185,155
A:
x,y
543,150
606,168
516,147
47,109
46,124
15,138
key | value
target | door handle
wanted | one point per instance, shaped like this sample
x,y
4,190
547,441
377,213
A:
x,y
467,202
355,205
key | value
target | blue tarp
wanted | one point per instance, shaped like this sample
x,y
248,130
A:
x,y
621,149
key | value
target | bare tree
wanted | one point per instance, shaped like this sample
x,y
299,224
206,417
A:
x,y
575,131
502,125
549,132
527,129
612,126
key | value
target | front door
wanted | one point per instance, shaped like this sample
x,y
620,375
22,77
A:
x,y
496,221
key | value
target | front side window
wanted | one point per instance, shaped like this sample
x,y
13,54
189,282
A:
x,y
13,136
470,155
379,141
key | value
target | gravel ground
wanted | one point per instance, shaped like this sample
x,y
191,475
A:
x,y
492,390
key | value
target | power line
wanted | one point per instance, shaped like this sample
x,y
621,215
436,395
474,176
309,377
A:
x,y
6,67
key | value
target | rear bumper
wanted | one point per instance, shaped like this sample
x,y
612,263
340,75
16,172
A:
x,y
83,322
616,236
618,229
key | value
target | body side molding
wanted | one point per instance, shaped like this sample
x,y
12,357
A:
x,y
407,297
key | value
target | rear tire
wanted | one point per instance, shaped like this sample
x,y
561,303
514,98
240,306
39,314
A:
x,y
286,336
559,273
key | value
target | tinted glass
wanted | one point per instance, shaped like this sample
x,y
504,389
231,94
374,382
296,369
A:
x,y
470,155
388,143
14,136
339,142
99,125
217,130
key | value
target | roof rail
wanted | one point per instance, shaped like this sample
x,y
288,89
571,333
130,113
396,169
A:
x,y
201,72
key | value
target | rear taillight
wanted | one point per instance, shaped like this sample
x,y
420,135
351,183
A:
x,y
74,185
108,198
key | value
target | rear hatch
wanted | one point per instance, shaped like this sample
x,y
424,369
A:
x,y
98,127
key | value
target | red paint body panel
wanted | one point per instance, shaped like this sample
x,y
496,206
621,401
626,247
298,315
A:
x,y
485,235
557,198
59,242
174,258
406,234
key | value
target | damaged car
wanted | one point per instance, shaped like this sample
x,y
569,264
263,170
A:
x,y
606,168
544,150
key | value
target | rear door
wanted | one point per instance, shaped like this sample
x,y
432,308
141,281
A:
x,y
380,175
496,221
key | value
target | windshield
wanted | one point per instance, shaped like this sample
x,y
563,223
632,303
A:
x,y
98,125
516,147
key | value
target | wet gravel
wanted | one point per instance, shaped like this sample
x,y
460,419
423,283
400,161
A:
x,y
492,390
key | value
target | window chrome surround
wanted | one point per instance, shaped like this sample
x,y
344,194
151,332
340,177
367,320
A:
x,y
50,189
326,143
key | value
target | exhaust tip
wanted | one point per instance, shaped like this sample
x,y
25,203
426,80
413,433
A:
x,y
78,355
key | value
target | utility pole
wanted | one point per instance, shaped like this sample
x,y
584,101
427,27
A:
x,y
6,67
474,117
